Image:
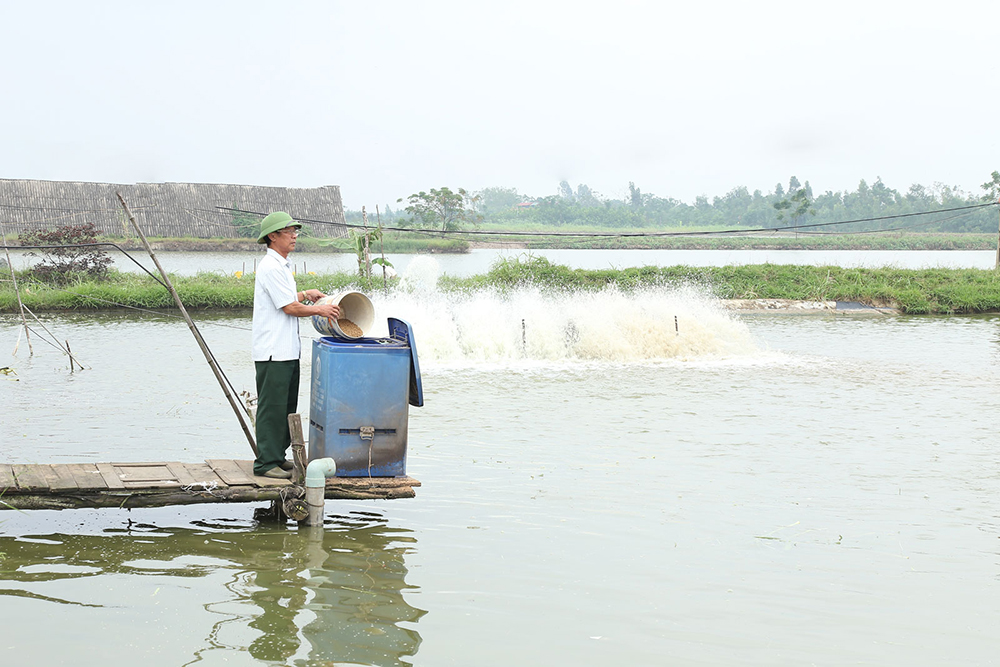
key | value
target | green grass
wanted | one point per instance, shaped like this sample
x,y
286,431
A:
x,y
912,291
203,291
785,242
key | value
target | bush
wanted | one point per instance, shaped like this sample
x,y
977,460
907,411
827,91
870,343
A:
x,y
60,264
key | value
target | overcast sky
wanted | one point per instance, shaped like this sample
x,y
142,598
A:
x,y
388,98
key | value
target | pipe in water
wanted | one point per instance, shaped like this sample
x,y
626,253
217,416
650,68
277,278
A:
x,y
316,473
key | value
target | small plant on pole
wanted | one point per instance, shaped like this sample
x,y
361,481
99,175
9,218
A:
x,y
246,225
361,242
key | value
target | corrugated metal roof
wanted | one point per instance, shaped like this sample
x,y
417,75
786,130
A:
x,y
163,209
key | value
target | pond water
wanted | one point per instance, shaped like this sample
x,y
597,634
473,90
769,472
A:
x,y
598,488
479,261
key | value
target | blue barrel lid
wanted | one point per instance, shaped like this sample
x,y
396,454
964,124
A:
x,y
402,331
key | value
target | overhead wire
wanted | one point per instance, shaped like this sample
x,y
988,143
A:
x,y
193,212
895,229
210,223
628,234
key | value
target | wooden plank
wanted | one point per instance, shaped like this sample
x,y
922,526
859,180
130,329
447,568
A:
x,y
247,468
146,475
110,476
181,473
354,483
230,472
386,488
29,478
203,480
7,480
203,474
87,476
59,477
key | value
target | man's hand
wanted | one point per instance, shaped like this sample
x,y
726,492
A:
x,y
327,310
313,295
297,309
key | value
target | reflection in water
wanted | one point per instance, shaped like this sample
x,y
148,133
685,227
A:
x,y
316,596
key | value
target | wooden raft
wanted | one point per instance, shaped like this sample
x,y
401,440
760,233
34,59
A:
x,y
77,485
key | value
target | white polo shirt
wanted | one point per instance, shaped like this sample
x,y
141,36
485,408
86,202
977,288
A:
x,y
275,333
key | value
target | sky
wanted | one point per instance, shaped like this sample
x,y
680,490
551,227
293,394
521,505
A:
x,y
386,99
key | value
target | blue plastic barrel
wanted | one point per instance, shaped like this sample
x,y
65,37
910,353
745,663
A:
x,y
359,404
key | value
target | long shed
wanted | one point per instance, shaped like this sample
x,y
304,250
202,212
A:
x,y
165,209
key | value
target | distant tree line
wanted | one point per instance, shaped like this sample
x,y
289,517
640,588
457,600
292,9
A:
x,y
786,205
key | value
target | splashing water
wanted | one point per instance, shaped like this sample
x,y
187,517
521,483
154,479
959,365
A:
x,y
421,275
526,324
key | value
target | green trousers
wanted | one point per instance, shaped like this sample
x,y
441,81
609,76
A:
x,y
277,397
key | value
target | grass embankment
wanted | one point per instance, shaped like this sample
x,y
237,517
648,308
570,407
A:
x,y
915,291
420,243
911,291
756,242
203,291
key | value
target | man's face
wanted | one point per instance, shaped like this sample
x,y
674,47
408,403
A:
x,y
283,240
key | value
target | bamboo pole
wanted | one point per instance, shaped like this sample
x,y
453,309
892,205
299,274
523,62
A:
x,y
997,265
55,340
367,237
17,291
381,249
298,449
237,408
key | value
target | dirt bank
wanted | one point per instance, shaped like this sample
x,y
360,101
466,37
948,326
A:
x,y
793,307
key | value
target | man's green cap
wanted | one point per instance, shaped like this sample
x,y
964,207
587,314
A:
x,y
274,222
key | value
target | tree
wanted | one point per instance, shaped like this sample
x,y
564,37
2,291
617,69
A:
x,y
565,191
61,263
992,188
492,200
796,207
635,195
586,197
444,208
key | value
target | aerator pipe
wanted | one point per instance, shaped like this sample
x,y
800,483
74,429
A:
x,y
316,473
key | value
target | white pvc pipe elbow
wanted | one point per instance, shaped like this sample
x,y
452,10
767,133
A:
x,y
316,473
318,470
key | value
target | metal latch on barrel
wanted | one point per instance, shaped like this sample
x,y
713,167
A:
x,y
367,432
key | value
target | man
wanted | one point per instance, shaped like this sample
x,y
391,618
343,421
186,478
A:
x,y
277,305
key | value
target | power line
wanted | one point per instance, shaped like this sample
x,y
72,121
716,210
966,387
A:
x,y
627,234
895,229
